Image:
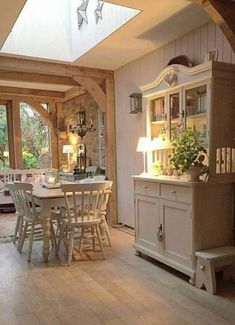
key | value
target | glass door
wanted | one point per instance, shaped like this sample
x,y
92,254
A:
x,y
158,117
196,104
175,112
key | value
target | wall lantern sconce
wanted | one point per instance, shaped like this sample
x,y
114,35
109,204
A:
x,y
135,103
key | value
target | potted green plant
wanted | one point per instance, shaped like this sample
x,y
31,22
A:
x,y
156,168
189,154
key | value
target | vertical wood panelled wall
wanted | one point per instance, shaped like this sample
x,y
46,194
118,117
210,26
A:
x,y
128,79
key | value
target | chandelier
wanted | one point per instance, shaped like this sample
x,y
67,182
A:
x,y
81,128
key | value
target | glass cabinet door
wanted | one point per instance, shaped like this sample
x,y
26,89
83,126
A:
x,y
175,114
195,109
158,117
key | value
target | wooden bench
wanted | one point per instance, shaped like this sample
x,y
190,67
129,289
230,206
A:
x,y
211,259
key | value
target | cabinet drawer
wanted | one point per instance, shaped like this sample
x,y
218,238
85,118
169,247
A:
x,y
176,193
147,188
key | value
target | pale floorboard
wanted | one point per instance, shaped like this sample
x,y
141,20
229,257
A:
x,y
123,289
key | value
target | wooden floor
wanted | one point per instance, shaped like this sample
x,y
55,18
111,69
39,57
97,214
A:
x,y
123,289
7,224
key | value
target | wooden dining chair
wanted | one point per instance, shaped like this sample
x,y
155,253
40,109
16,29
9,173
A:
x,y
19,211
103,224
90,171
32,220
83,211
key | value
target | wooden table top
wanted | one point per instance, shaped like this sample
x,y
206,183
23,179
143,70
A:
x,y
5,199
41,192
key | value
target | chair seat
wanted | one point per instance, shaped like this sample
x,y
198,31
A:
x,y
82,223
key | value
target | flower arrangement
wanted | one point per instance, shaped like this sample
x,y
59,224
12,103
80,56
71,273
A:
x,y
187,150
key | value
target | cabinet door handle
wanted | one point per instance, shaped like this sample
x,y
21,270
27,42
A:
x,y
145,187
173,191
160,233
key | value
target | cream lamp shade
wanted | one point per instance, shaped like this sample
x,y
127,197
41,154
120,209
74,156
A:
x,y
67,148
144,145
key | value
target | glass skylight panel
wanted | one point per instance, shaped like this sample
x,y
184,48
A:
x,y
62,29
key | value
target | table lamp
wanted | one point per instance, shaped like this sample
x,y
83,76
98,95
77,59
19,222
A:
x,y
68,148
144,145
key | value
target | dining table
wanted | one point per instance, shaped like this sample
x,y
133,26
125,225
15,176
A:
x,y
48,198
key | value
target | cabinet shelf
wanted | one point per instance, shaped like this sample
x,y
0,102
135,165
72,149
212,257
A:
x,y
158,122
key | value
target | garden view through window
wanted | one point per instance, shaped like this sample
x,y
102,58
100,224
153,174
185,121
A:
x,y
4,151
35,138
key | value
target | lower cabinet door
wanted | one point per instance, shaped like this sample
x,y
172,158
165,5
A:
x,y
147,221
176,223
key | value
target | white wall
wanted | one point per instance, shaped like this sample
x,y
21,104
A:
x,y
129,127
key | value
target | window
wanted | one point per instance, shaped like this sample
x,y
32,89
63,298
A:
x,y
35,138
4,151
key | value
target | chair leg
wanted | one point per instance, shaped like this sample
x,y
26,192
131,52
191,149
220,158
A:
x,y
81,239
20,233
16,229
23,237
93,236
31,238
107,233
71,243
99,238
61,235
53,239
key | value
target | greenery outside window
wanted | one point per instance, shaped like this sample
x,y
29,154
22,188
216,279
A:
x,y
35,138
4,150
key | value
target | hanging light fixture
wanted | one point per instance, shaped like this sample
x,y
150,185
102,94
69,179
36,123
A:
x,y
81,128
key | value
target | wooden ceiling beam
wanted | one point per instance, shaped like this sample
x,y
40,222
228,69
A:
x,y
94,90
37,78
22,98
31,92
50,68
72,93
222,12
40,110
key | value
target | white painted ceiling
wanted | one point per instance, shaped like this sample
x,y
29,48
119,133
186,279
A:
x,y
159,22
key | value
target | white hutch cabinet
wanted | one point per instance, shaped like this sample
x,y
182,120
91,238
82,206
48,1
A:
x,y
174,217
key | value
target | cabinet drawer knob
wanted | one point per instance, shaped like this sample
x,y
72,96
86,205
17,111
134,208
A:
x,y
145,187
173,191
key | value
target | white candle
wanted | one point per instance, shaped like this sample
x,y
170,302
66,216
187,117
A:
x,y
51,179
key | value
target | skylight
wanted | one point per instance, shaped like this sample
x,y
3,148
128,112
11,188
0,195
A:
x,y
64,29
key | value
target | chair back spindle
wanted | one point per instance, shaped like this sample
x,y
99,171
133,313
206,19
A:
x,y
83,201
25,191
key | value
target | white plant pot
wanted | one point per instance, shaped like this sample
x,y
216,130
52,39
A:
x,y
194,172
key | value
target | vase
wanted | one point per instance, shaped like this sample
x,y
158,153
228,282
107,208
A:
x,y
194,172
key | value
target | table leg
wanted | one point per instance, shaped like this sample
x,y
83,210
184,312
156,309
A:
x,y
46,230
